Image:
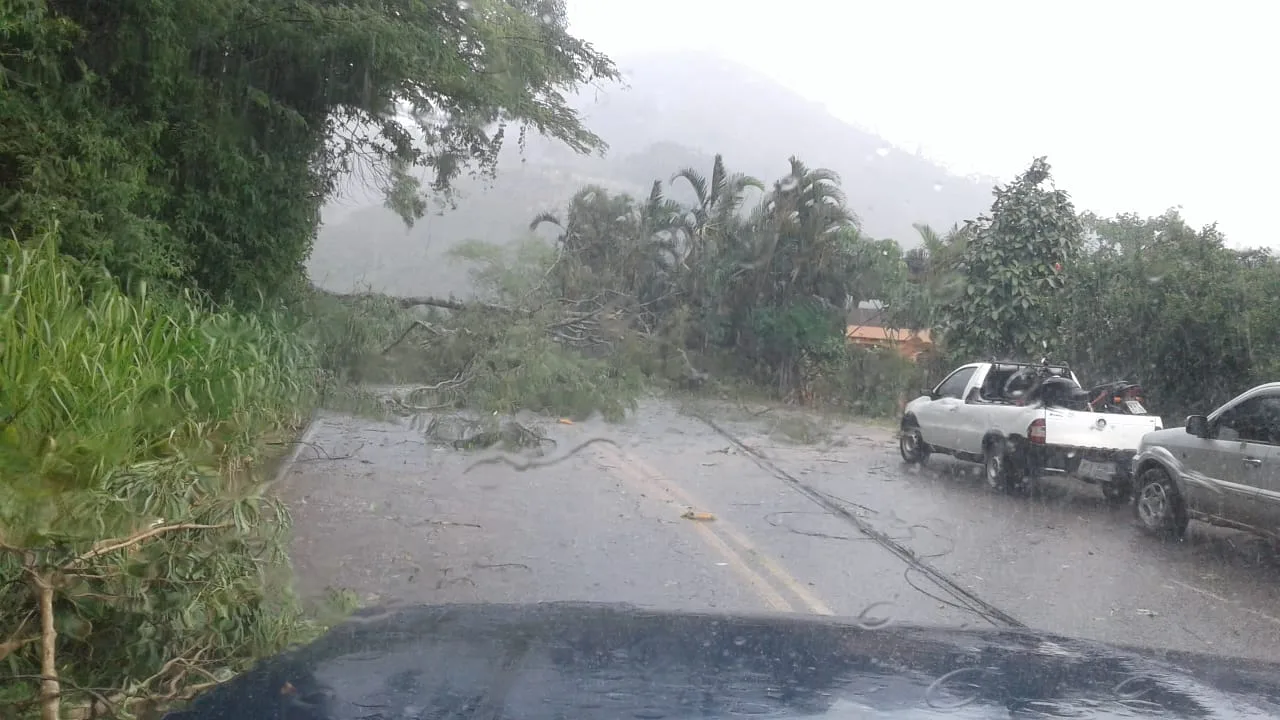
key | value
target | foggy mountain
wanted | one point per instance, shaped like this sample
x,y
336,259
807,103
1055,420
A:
x,y
679,110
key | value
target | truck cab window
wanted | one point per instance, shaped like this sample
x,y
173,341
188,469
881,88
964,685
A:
x,y
1256,420
993,385
1019,383
953,386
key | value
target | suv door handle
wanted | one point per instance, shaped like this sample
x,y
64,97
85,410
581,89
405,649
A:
x,y
1254,462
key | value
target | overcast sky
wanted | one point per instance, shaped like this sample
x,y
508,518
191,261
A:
x,y
1139,105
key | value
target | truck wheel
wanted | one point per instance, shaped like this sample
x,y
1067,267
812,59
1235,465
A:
x,y
1001,470
1160,509
912,445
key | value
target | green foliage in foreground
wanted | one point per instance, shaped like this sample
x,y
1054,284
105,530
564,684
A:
x,y
131,443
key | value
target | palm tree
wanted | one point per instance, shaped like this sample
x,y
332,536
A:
x,y
658,254
790,264
931,269
800,252
713,227
611,243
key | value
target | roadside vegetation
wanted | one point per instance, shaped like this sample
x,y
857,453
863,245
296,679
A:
x,y
132,522
162,165
746,292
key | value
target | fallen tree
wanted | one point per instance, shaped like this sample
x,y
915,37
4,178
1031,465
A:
x,y
533,352
599,325
412,302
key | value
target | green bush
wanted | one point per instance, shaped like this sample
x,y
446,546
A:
x,y
871,382
131,430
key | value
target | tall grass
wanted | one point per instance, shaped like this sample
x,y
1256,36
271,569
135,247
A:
x,y
131,427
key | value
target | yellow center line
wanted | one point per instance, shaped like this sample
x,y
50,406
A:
x,y
735,562
645,474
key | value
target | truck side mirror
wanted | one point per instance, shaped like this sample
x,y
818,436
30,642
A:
x,y
1198,425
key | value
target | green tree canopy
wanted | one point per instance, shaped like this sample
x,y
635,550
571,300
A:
x,y
1012,263
195,141
1157,301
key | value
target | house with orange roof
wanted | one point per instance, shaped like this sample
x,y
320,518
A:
x,y
866,327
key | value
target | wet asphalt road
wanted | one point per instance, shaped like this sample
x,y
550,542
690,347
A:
x,y
383,512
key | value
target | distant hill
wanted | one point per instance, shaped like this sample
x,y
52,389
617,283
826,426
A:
x,y
679,110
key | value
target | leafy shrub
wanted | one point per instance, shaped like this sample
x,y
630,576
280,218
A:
x,y
131,435
871,382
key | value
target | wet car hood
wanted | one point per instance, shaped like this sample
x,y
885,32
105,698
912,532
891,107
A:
x,y
1159,437
570,660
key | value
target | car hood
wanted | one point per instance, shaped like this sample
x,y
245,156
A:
x,y
915,403
569,660
1162,437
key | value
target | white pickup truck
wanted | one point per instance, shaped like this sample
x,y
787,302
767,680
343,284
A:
x,y
1023,421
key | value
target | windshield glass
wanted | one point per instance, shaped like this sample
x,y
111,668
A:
x,y
906,315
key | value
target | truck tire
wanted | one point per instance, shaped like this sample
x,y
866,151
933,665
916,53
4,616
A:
x,y
911,444
1000,468
1159,507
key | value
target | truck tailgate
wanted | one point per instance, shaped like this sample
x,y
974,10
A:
x,y
1100,431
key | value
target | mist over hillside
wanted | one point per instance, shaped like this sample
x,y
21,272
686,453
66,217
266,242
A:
x,y
679,110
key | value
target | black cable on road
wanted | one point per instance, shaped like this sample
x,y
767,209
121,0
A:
x,y
968,600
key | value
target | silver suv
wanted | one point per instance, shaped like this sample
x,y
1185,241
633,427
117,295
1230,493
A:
x,y
1223,469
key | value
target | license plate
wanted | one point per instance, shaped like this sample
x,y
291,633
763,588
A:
x,y
1096,470
1135,407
